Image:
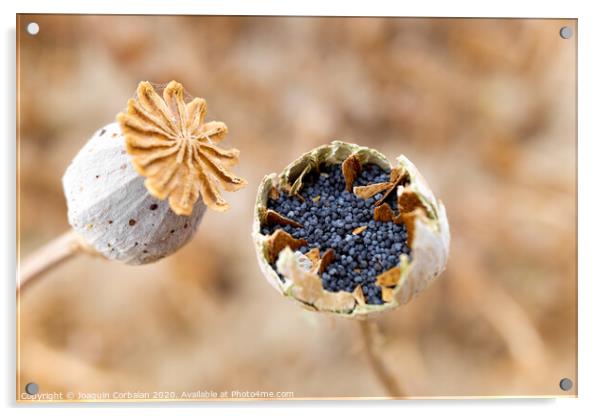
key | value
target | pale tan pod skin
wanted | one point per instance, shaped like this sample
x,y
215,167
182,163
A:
x,y
104,193
430,245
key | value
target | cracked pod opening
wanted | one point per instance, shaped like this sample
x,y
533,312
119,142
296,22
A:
x,y
331,218
338,231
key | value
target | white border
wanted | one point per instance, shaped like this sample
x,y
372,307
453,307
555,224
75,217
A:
x,y
590,175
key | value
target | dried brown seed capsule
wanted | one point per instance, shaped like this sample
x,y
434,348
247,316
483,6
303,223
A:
x,y
133,189
298,276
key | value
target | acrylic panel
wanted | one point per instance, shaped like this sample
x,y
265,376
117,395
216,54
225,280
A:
x,y
158,261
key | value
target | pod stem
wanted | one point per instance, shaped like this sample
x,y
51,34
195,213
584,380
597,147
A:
x,y
47,257
376,363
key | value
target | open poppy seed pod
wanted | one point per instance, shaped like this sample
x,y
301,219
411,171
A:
x,y
133,190
359,235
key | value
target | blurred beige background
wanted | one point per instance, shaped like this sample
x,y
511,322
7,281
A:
x,y
484,108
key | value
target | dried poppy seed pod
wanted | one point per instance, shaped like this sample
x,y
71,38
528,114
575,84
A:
x,y
133,190
112,211
360,236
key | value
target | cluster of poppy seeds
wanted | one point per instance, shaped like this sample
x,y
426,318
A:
x,y
329,214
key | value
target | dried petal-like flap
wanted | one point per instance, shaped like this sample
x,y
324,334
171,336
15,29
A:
x,y
383,213
278,241
408,201
271,217
295,188
359,230
397,176
369,191
410,207
314,256
409,219
172,146
351,167
307,286
388,294
358,295
327,258
319,264
389,278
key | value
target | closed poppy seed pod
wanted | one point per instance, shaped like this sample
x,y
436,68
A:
x,y
343,231
138,189
112,211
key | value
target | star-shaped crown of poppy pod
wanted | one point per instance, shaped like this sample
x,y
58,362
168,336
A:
x,y
175,149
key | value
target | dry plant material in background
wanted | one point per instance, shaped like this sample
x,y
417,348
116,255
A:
x,y
133,190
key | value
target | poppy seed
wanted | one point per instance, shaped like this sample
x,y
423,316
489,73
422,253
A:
x,y
328,223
